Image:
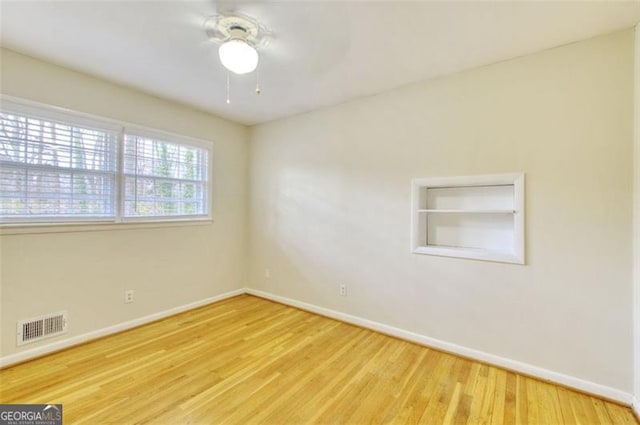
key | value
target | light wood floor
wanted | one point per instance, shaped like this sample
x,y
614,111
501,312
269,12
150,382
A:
x,y
247,360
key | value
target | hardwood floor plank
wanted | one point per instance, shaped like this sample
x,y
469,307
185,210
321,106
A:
x,y
250,361
499,398
510,404
522,401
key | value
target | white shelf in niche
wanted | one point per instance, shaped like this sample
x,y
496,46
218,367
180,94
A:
x,y
443,211
477,217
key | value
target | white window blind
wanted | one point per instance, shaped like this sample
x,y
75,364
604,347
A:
x,y
55,170
60,166
164,178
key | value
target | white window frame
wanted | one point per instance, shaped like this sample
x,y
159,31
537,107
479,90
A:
x,y
44,111
516,255
170,138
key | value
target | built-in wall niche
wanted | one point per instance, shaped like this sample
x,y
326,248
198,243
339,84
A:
x,y
478,217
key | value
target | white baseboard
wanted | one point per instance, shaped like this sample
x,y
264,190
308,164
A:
x,y
513,365
79,339
635,406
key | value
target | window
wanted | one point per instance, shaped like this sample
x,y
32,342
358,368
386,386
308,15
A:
x,y
163,179
58,167
478,217
54,169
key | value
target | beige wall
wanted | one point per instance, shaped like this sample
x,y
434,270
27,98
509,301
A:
x,y
86,273
330,202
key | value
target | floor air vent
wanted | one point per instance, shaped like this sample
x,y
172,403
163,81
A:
x,y
37,328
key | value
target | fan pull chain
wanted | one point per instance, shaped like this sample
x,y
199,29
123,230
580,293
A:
x,y
228,98
258,79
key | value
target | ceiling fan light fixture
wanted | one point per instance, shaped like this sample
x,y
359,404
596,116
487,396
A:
x,y
238,56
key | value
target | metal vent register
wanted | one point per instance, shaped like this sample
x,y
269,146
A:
x,y
35,329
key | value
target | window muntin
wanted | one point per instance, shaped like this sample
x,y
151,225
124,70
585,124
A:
x,y
61,167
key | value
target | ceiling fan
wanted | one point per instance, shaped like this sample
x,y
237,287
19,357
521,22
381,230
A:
x,y
240,37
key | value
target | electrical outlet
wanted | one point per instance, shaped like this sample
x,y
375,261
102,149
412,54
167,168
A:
x,y
343,290
128,296
267,273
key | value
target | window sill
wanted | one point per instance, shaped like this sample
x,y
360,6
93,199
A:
x,y
43,228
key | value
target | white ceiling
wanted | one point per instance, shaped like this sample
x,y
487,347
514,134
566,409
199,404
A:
x,y
320,53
